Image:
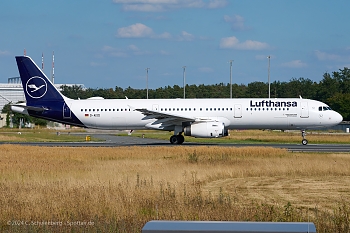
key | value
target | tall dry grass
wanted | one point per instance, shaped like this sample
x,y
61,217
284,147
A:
x,y
120,189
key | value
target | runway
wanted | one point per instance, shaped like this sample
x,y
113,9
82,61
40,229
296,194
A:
x,y
109,140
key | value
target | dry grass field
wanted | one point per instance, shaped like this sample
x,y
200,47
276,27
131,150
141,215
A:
x,y
120,189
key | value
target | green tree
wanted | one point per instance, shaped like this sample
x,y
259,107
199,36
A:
x,y
328,87
340,102
73,92
257,90
305,88
343,78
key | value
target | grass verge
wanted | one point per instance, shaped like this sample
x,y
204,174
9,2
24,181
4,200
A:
x,y
42,135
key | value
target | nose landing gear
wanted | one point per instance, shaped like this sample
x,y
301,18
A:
x,y
304,141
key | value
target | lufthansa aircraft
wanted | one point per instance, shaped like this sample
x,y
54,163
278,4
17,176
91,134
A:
x,y
202,118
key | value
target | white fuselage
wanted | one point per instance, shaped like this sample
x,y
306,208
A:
x,y
234,113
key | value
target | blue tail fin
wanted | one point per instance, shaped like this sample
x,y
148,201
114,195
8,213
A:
x,y
36,86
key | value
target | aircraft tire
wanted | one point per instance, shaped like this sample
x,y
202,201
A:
x,y
180,139
174,139
304,142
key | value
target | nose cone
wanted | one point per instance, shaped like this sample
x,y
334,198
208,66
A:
x,y
337,118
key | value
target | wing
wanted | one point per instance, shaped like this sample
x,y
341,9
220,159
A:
x,y
163,120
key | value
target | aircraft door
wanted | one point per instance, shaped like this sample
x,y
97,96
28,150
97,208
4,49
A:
x,y
67,114
238,111
304,110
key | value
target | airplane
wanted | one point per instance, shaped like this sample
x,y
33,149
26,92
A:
x,y
201,118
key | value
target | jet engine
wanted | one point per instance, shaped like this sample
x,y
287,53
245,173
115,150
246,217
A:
x,y
206,130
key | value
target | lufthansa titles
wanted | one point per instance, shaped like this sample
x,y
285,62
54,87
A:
x,y
272,103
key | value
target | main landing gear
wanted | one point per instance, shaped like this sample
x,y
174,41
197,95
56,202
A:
x,y
177,139
303,134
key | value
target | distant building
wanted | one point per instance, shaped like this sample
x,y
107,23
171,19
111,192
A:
x,y
2,120
13,91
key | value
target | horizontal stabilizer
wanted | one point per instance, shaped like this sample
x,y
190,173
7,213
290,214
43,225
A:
x,y
16,107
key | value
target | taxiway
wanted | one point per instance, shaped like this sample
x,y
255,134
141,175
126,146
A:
x,y
109,140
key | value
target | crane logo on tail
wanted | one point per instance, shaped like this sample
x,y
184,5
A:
x,y
36,87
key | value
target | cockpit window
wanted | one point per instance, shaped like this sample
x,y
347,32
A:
x,y
324,108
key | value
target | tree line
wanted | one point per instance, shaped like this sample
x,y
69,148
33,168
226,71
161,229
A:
x,y
333,89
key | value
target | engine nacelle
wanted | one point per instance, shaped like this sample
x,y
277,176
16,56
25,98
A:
x,y
206,130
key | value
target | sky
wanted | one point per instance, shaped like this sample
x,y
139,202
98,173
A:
x,y
109,43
